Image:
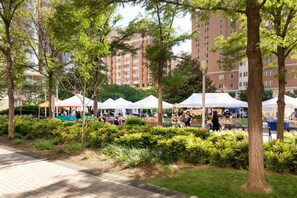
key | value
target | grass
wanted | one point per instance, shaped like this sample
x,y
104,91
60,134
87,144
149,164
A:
x,y
224,183
43,144
243,121
74,146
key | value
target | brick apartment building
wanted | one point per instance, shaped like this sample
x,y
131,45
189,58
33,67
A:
x,y
237,78
131,69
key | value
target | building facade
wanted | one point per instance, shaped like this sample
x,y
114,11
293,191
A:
x,y
235,79
131,68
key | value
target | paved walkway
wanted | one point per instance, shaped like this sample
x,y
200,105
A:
x,y
25,175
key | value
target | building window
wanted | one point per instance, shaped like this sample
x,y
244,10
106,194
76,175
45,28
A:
x,y
240,74
135,79
221,77
245,84
240,84
268,73
232,85
126,73
245,74
221,86
126,65
135,64
231,75
135,71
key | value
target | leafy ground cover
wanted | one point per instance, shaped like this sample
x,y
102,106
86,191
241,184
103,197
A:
x,y
212,182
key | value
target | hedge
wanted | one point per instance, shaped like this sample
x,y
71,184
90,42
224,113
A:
x,y
194,145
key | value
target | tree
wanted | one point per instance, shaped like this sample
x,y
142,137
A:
x,y
267,94
91,24
185,79
292,94
8,15
280,36
159,25
42,43
125,91
250,10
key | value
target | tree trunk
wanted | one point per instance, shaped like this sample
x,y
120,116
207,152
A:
x,y
256,179
95,94
83,117
10,89
50,93
160,106
281,94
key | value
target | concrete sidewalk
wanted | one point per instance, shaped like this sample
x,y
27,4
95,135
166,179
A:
x,y
26,175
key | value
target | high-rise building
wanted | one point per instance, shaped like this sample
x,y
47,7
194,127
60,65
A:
x,y
237,78
128,68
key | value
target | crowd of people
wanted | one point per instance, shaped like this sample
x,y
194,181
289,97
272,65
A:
x,y
183,120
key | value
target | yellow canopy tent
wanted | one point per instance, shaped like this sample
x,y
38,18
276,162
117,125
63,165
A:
x,y
45,105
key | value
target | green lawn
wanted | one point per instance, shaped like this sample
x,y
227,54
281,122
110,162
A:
x,y
224,183
243,121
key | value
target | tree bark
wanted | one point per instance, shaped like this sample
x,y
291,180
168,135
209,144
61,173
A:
x,y
256,179
50,93
10,90
95,93
281,94
160,106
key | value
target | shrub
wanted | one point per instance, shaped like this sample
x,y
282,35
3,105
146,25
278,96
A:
x,y
74,146
281,156
104,135
69,134
24,110
43,144
203,133
45,128
129,156
17,136
133,120
199,151
24,124
137,140
3,124
18,141
173,149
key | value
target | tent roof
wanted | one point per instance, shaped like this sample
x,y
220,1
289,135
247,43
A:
x,y
121,103
107,104
75,101
269,107
46,104
211,100
150,102
290,102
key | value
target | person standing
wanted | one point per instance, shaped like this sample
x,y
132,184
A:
x,y
215,121
188,119
174,120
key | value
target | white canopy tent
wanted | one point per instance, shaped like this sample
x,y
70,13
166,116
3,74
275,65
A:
x,y
150,102
75,101
108,104
269,107
211,100
121,103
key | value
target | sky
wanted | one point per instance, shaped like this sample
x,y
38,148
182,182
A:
x,y
184,24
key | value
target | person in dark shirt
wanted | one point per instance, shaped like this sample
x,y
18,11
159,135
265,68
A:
x,y
188,119
215,121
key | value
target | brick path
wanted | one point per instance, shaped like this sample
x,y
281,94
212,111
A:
x,y
23,175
